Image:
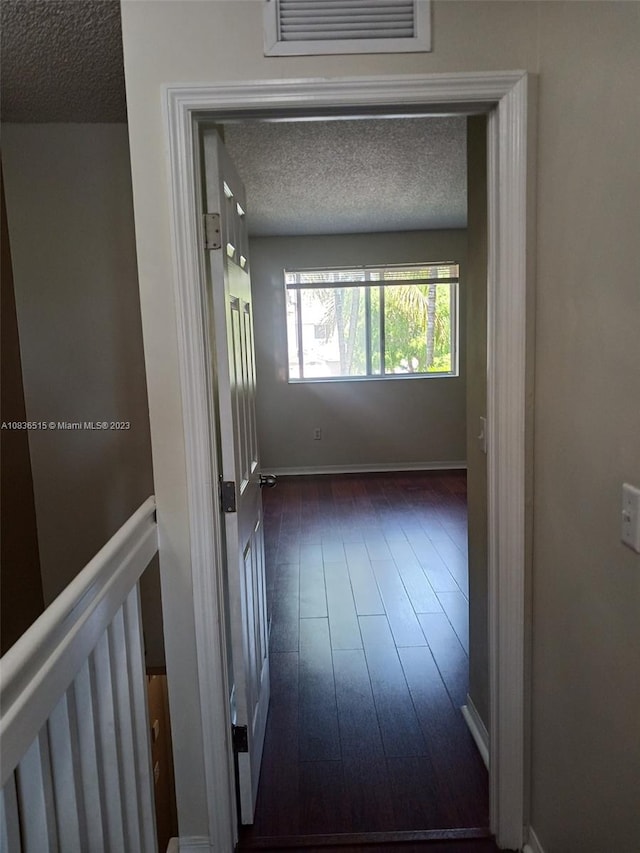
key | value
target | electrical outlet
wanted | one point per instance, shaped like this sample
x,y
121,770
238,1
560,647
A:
x,y
631,516
317,434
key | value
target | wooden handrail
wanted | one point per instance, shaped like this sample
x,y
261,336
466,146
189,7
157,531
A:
x,y
37,670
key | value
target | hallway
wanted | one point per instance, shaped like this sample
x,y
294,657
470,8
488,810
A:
x,y
367,591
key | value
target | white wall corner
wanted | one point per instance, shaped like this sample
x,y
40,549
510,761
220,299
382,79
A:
x,y
477,728
533,844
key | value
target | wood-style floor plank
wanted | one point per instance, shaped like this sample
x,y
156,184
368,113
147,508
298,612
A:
x,y
431,700
313,598
449,655
454,559
401,616
332,550
288,548
285,616
311,553
458,768
318,717
419,590
285,694
277,808
359,729
343,619
434,567
377,546
456,606
367,787
363,583
416,799
458,533
369,797
323,805
366,744
401,734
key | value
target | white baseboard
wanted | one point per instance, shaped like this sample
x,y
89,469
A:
x,y
193,844
533,844
477,728
374,468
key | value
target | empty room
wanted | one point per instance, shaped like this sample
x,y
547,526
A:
x,y
368,292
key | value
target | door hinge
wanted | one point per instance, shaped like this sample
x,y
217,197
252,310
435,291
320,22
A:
x,y
212,237
240,738
228,495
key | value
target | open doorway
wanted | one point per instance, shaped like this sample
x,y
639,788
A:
x,y
505,97
368,574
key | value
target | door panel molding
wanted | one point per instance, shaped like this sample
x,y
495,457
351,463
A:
x,y
229,313
507,97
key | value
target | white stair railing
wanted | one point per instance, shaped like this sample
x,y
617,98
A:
x,y
75,759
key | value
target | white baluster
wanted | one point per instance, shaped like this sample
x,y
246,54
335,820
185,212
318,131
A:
x,y
35,798
104,704
74,731
126,744
90,761
9,819
67,782
133,627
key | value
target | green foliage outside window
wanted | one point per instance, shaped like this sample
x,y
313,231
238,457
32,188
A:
x,y
417,326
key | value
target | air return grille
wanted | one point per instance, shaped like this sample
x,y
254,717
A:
x,y
351,19
346,26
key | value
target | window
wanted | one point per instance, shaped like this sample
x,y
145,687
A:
x,y
307,27
372,322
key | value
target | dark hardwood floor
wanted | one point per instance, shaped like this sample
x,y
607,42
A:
x,y
368,596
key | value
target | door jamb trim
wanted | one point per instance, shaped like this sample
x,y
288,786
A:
x,y
506,97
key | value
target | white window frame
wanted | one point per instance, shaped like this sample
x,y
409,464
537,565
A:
x,y
366,282
420,43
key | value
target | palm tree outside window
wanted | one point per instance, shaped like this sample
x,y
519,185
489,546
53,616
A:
x,y
377,322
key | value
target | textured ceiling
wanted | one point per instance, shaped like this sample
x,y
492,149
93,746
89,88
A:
x,y
330,177
62,61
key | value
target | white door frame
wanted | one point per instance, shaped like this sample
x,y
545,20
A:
x,y
507,98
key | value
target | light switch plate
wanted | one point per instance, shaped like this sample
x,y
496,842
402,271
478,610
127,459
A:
x,y
631,516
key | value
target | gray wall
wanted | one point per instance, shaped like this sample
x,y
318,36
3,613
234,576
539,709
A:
x,y
69,206
585,680
21,599
477,408
384,423
586,584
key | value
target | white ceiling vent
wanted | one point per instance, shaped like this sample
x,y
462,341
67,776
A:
x,y
305,27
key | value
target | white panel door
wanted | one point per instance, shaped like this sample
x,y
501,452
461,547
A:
x,y
234,381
